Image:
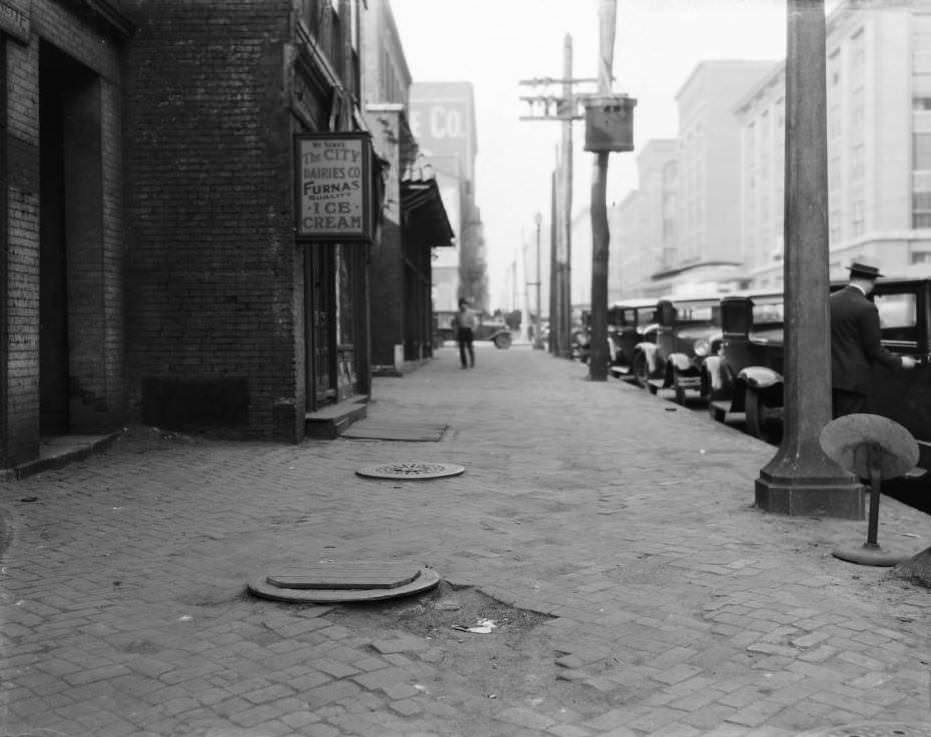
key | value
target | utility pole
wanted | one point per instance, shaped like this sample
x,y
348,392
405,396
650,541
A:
x,y
801,479
568,109
553,348
548,104
608,127
601,236
537,338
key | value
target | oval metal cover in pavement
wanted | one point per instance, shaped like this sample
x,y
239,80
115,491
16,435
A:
x,y
410,470
347,575
425,579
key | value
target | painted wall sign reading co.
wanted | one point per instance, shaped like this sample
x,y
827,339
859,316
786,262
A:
x,y
334,186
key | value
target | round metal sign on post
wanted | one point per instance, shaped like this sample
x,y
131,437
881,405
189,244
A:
x,y
416,471
871,447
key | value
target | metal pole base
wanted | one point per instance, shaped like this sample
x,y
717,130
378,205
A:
x,y
869,555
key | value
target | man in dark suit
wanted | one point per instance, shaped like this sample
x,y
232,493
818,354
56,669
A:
x,y
856,342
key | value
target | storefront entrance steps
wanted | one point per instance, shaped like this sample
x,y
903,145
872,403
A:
x,y
331,421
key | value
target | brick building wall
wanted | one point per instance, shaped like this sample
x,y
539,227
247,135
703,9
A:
x,y
214,274
92,303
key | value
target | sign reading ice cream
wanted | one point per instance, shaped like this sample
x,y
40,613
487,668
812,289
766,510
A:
x,y
334,186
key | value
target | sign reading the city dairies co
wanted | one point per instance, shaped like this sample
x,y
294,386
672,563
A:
x,y
334,186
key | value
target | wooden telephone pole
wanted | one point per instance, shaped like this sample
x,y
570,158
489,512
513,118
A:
x,y
563,106
608,127
601,235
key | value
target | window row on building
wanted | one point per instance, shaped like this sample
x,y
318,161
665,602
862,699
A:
x,y
731,160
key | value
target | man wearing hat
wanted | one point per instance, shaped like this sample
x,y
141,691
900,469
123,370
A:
x,y
856,342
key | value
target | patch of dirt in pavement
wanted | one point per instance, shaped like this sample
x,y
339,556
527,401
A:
x,y
482,673
441,611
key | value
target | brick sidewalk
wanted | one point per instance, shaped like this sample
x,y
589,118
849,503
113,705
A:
x,y
677,608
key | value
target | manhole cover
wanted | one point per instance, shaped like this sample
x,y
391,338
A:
x,y
873,729
344,582
410,470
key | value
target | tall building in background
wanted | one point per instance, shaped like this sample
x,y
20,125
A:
x,y
647,223
879,146
628,252
414,225
709,250
442,118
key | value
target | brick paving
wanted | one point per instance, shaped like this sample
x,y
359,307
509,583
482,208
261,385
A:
x,y
677,609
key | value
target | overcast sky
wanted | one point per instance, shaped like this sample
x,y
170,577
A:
x,y
496,43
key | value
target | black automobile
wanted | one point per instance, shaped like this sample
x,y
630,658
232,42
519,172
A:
x,y
902,395
741,376
687,332
629,322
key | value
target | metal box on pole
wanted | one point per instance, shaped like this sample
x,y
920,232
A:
x,y
609,123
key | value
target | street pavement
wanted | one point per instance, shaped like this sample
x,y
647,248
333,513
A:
x,y
673,606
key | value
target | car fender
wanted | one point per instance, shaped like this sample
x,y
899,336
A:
x,y
712,369
759,377
649,353
679,361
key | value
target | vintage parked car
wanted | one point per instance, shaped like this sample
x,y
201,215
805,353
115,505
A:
x,y
735,378
494,329
687,332
902,395
629,323
444,325
580,337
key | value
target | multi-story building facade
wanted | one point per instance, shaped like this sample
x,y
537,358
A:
x,y
233,320
62,221
644,236
442,118
708,224
413,218
629,253
155,266
878,145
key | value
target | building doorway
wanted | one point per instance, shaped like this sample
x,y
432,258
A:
x,y
69,138
320,299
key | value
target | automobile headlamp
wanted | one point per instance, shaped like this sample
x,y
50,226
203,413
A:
x,y
702,347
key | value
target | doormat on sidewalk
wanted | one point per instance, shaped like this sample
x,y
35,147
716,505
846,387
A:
x,y
411,431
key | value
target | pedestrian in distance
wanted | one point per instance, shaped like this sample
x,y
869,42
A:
x,y
465,323
856,342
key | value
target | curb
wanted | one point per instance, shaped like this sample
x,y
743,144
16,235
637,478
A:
x,y
60,460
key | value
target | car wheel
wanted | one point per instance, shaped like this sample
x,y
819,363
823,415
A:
x,y
503,341
717,414
641,370
757,424
680,395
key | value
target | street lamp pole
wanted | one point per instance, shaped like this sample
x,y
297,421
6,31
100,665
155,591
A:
x,y
801,479
537,337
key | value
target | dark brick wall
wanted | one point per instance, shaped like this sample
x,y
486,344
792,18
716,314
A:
x,y
96,292
212,265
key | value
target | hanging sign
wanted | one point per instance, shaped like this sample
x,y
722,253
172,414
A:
x,y
334,186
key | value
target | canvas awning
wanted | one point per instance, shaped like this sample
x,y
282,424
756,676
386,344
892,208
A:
x,y
422,209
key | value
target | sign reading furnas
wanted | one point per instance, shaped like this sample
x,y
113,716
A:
x,y
334,186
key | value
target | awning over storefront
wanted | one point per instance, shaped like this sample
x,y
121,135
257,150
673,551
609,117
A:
x,y
422,209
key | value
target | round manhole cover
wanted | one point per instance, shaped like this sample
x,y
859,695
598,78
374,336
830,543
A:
x,y
410,470
873,729
344,583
